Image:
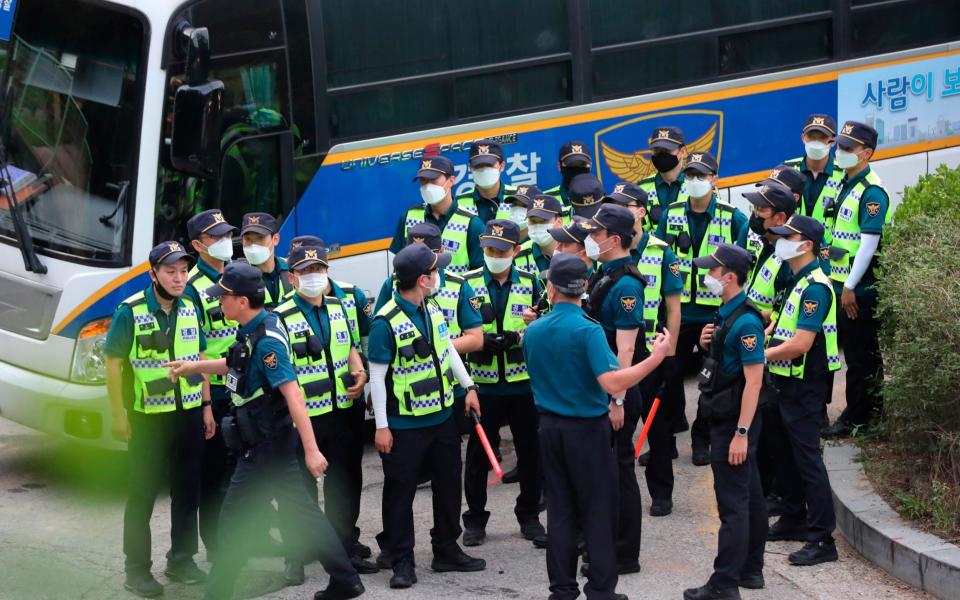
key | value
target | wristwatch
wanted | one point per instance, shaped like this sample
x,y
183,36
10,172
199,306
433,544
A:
x,y
742,431
206,403
618,401
473,388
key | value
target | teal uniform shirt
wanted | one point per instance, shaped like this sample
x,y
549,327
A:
x,y
744,342
474,230
817,298
363,319
498,298
193,294
784,277
667,193
623,307
317,317
671,283
381,348
872,224
814,185
272,279
270,362
486,207
542,260
121,334
566,352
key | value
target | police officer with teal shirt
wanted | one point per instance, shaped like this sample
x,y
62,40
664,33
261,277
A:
x,y
267,402
668,149
487,199
803,354
544,212
459,226
730,381
821,176
862,212
573,159
575,429
412,369
694,227
585,195
260,239
162,421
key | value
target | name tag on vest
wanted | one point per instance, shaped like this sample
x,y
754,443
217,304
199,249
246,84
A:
x,y
714,240
766,274
343,337
516,310
188,333
449,314
845,214
444,332
451,245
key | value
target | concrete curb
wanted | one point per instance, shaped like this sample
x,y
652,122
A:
x,y
882,537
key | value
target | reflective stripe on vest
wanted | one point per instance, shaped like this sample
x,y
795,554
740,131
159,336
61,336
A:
x,y
349,303
846,228
219,331
786,328
822,210
310,370
519,298
432,372
453,236
719,231
649,185
760,284
448,299
525,260
272,329
153,391
650,266
284,287
467,203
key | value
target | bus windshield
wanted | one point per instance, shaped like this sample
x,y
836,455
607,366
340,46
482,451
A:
x,y
71,125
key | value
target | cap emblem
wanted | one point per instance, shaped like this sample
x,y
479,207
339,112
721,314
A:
x,y
696,158
310,253
618,189
418,240
775,174
484,149
848,128
663,134
496,229
522,190
425,164
538,203
217,217
576,148
819,121
253,220
295,245
174,247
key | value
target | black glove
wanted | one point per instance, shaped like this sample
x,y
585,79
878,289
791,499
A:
x,y
492,343
510,339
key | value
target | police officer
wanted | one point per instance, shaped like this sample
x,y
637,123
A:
x,y
821,176
267,401
695,227
730,383
459,227
162,421
863,210
412,369
260,239
668,150
661,307
331,376
544,213
585,195
212,238
803,355
572,239
573,159
487,200
575,429
503,294
453,297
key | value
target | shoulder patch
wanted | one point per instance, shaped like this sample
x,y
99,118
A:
x,y
810,307
368,309
270,360
749,342
873,208
825,253
476,302
675,268
628,303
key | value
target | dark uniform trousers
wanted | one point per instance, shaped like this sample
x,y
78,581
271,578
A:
x,y
659,470
521,414
687,340
741,505
271,470
803,474
341,442
629,499
769,449
580,474
218,465
860,339
436,448
162,446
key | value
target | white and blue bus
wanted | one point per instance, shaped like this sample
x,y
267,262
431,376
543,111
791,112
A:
x,y
327,105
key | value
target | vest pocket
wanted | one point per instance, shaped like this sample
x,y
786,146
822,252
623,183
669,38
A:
x,y
158,387
317,388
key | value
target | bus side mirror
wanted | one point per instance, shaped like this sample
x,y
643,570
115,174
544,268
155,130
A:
x,y
197,108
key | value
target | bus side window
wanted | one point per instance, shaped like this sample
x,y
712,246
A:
x,y
256,175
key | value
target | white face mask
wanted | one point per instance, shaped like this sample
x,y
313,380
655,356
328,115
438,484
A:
x,y
256,254
713,284
313,284
847,160
486,176
221,249
816,150
785,249
518,214
435,287
592,248
497,265
540,233
698,188
432,193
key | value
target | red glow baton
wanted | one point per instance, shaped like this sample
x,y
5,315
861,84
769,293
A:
x,y
646,427
486,444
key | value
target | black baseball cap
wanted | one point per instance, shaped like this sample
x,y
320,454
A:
x,y
416,260
304,256
854,133
485,153
822,123
726,255
501,234
669,138
425,233
571,233
787,176
573,153
585,190
702,162
167,253
306,240
567,273
615,219
808,227
627,194
431,168
240,279
259,222
774,196
210,222
524,195
545,206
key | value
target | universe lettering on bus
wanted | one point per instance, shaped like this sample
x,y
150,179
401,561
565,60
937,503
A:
x,y
428,151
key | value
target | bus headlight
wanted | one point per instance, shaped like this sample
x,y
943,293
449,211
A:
x,y
88,359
